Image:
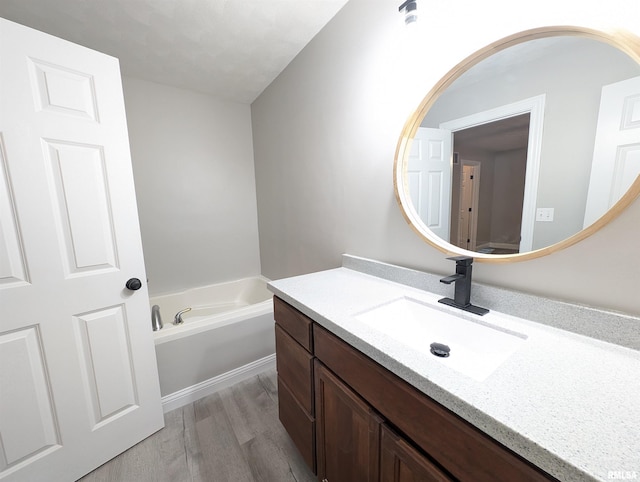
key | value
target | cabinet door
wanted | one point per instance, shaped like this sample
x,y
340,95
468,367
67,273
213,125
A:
x,y
400,462
348,432
295,368
464,451
298,423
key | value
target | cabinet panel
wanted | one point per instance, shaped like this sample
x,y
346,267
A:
x,y
464,451
348,432
294,323
295,367
299,425
400,462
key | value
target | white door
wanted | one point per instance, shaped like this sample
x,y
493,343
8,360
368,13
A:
x,y
429,175
616,153
78,376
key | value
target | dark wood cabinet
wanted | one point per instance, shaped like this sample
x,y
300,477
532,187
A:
x,y
294,362
348,432
400,462
299,423
368,424
296,324
295,368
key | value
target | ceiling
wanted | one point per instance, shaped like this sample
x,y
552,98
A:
x,y
231,49
497,136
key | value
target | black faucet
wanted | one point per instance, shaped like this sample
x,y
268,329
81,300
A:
x,y
462,279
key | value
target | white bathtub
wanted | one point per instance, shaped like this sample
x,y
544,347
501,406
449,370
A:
x,y
228,333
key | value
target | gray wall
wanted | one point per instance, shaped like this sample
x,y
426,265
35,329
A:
x,y
509,172
193,168
325,133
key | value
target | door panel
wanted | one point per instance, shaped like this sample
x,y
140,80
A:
x,y
77,175
86,387
106,365
429,177
12,266
626,170
28,423
60,89
616,153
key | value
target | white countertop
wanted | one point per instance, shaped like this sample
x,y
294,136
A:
x,y
568,403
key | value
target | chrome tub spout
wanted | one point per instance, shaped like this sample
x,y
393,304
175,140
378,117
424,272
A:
x,y
156,319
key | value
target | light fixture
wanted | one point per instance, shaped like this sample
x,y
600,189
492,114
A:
x,y
410,11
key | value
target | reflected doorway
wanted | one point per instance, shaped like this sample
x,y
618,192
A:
x,y
489,207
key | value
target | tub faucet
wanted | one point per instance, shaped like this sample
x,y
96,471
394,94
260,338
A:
x,y
462,292
156,319
178,318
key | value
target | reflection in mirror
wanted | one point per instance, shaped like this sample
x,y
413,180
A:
x,y
527,147
500,147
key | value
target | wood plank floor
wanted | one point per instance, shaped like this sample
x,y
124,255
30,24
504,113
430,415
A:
x,y
231,436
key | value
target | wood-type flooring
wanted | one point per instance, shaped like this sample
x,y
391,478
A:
x,y
231,436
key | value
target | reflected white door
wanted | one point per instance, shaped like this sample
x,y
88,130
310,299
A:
x,y
429,175
78,376
616,153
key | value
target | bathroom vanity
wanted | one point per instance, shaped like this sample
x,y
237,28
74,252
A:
x,y
361,406
351,417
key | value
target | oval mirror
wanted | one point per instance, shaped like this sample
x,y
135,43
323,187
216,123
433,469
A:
x,y
526,147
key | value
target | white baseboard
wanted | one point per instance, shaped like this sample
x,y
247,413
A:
x,y
195,392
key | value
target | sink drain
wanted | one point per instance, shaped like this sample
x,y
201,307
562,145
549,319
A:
x,y
440,349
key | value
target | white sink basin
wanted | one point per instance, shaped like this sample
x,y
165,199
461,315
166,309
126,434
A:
x,y
477,347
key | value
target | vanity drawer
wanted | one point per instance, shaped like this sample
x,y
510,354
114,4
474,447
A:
x,y
294,323
464,451
295,368
400,462
300,426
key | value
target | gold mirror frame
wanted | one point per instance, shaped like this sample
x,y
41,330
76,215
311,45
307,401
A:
x,y
623,41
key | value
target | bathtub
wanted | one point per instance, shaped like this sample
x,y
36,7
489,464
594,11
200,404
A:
x,y
227,336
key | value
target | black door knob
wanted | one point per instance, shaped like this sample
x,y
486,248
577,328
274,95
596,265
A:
x,y
133,284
